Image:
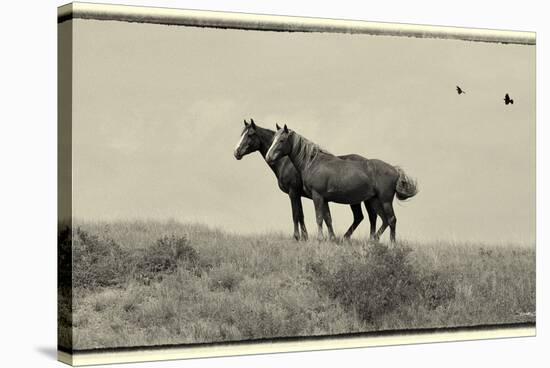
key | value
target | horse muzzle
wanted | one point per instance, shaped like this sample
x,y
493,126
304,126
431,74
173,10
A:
x,y
237,155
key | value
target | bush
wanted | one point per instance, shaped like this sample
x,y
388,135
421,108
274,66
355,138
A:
x,y
164,257
96,262
373,283
99,262
380,280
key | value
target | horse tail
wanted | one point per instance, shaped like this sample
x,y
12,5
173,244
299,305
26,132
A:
x,y
406,187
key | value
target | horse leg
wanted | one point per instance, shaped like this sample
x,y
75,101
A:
x,y
391,219
371,211
294,200
304,230
379,208
301,218
357,218
328,221
318,203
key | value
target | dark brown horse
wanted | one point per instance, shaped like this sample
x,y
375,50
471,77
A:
x,y
331,179
255,138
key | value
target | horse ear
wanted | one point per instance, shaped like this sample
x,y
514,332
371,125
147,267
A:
x,y
286,129
277,126
252,123
245,123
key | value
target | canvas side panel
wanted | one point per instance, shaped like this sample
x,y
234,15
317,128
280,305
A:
x,y
64,184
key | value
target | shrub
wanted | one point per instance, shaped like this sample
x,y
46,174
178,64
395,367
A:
x,y
164,257
379,280
372,283
96,262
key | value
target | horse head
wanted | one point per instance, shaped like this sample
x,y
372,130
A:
x,y
280,146
249,141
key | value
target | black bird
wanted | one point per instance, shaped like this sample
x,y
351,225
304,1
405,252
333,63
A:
x,y
460,90
508,100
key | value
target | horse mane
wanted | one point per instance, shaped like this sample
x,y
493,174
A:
x,y
307,150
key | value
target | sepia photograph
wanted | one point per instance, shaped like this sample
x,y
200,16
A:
x,y
225,180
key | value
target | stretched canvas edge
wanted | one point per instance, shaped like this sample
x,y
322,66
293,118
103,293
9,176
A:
x,y
64,180
227,20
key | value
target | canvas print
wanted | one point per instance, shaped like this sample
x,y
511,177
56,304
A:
x,y
244,182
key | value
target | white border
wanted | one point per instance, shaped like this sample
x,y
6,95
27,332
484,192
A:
x,y
213,19
110,357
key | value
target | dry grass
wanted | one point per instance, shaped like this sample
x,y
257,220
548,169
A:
x,y
249,287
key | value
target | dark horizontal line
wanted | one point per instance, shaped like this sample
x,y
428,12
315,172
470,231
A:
x,y
423,331
229,20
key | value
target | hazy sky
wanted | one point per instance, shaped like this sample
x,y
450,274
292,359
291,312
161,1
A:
x,y
158,110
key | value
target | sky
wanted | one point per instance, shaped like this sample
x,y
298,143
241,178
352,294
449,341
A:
x,y
157,111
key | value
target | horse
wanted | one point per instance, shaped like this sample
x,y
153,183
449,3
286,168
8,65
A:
x,y
329,178
255,138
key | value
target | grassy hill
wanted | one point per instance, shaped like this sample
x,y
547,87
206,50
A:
x,y
149,283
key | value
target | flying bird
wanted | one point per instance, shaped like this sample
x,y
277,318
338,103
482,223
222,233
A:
x,y
508,100
460,90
